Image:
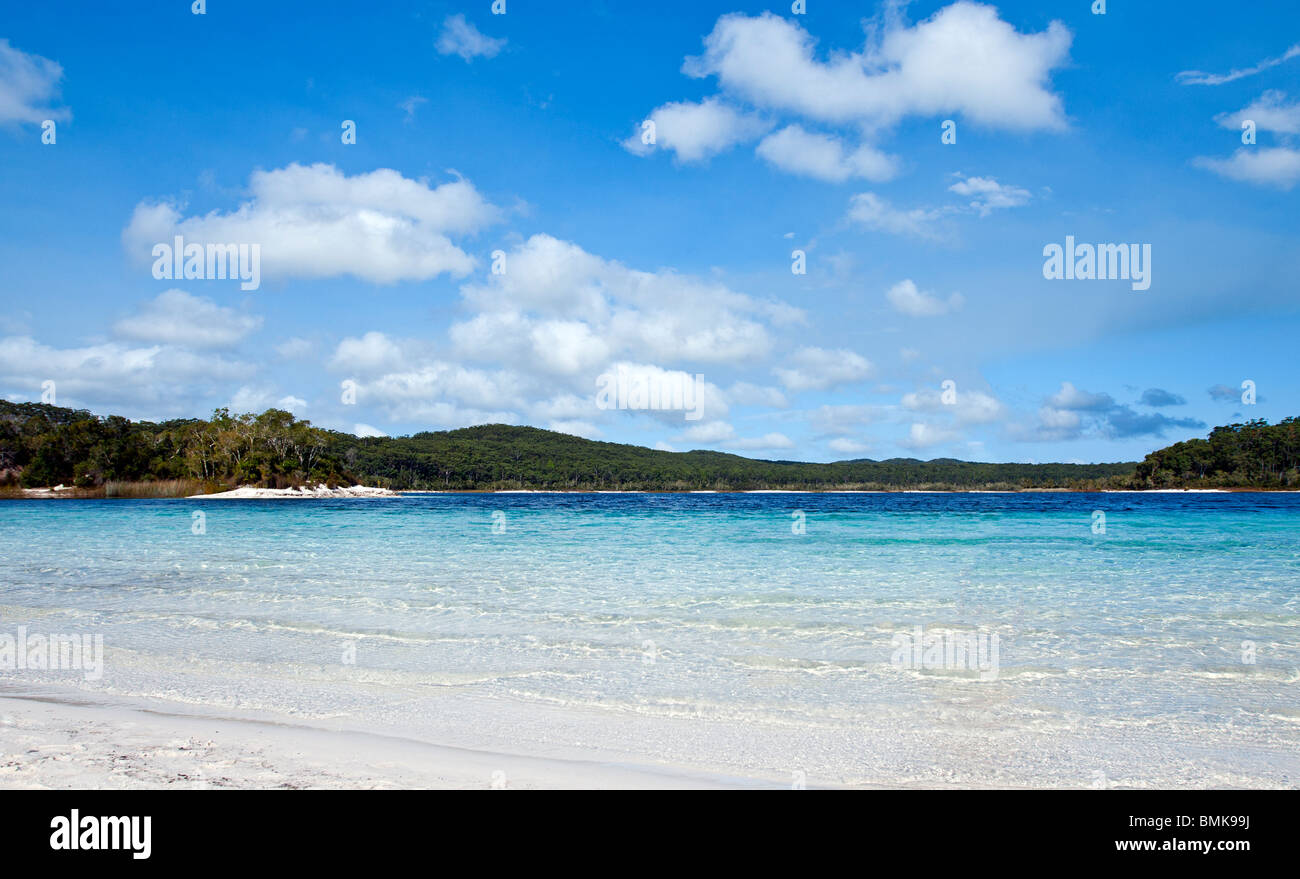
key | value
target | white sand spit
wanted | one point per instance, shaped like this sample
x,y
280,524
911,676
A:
x,y
245,492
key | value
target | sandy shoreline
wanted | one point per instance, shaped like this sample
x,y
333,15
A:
x,y
49,743
249,492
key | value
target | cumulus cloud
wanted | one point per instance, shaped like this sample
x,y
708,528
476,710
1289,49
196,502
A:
x,y
874,212
709,433
967,407
1158,397
177,318
907,299
408,382
825,157
1261,166
1071,398
986,194
444,394
848,446
259,398
1053,424
537,338
814,369
843,419
118,378
365,430
922,435
640,384
1071,413
964,59
555,293
29,88
1270,112
315,222
367,354
460,37
696,131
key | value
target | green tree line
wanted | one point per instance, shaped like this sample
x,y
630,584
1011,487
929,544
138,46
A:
x,y
43,445
1250,455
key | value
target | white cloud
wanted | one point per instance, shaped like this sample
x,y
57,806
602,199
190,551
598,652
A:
x,y
445,394
315,222
460,37
368,354
1071,398
843,419
410,105
924,436
848,446
117,378
822,368
584,429
824,157
749,394
1269,112
259,398
177,318
963,59
907,299
1053,425
1198,77
986,194
1262,166
294,348
364,430
701,399
555,293
709,432
766,442
1071,412
968,407
695,132
876,213
567,347
29,84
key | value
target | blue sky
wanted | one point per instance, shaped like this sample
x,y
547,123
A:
x,y
774,132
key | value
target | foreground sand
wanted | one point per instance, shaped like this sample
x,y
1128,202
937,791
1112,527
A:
x,y
51,744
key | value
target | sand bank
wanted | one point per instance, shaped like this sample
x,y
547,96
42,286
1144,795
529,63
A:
x,y
320,491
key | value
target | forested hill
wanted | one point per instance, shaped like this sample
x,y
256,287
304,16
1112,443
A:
x,y
44,445
499,455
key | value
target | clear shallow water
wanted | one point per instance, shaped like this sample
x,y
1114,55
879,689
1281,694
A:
x,y
699,630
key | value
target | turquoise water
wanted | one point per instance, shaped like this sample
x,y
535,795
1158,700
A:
x,y
701,630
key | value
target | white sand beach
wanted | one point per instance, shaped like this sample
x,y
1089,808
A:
x,y
249,492
62,745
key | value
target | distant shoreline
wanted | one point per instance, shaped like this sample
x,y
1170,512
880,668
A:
x,y
375,492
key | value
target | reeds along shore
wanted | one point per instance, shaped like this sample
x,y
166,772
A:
x,y
158,488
